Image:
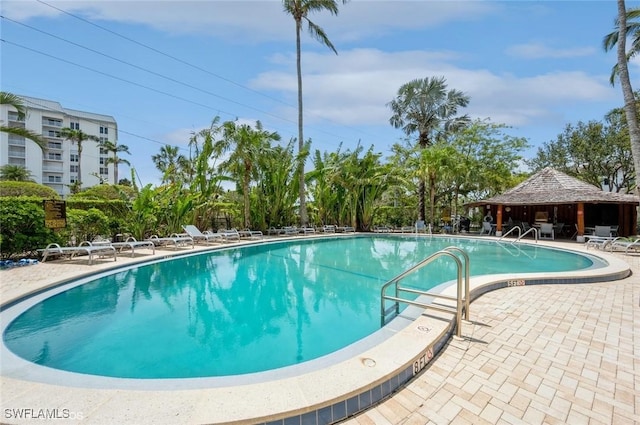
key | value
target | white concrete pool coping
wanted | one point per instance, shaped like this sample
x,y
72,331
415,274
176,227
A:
x,y
245,399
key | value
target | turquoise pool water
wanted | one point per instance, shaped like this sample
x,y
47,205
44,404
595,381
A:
x,y
247,309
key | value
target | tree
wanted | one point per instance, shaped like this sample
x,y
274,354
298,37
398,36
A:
x,y
435,163
115,149
424,106
630,108
78,137
246,144
15,101
277,187
300,10
632,29
594,152
168,163
15,173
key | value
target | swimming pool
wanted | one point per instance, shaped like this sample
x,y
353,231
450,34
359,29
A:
x,y
243,310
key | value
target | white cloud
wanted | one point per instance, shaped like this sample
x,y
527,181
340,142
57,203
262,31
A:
x,y
355,87
541,51
259,20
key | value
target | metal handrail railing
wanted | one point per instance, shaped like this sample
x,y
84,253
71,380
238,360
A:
x,y
397,299
533,229
514,228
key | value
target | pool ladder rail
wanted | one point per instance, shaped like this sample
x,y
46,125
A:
x,y
520,234
461,302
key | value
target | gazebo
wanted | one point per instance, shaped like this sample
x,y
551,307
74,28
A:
x,y
559,198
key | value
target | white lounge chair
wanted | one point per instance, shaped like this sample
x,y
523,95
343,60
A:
x,y
229,235
131,243
598,242
198,235
175,240
290,230
329,228
308,230
250,234
345,229
626,246
55,250
381,229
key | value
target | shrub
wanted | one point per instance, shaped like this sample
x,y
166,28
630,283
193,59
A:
x,y
23,231
85,225
106,192
12,188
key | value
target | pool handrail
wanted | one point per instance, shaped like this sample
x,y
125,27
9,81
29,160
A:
x,y
459,289
535,233
511,231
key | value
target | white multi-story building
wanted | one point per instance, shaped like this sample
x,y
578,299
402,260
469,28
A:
x,y
57,166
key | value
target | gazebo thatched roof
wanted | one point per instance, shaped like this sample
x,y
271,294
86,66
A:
x,y
551,186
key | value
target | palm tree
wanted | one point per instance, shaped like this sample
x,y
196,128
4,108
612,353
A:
x,y
15,173
300,10
168,162
632,29
426,107
246,145
78,136
115,148
15,101
625,82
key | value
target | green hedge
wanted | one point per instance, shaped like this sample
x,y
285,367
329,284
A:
x,y
22,230
11,188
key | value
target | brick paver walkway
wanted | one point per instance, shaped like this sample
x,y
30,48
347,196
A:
x,y
548,354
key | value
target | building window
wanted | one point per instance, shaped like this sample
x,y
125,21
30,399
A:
x,y
104,130
73,157
74,125
104,171
52,122
54,156
102,160
54,145
52,133
54,179
73,179
73,168
103,151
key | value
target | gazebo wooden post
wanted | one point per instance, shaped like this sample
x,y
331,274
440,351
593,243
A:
x,y
580,219
499,219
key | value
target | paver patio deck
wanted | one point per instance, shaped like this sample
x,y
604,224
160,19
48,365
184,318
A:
x,y
537,354
543,354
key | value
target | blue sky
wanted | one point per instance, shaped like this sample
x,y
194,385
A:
x,y
164,69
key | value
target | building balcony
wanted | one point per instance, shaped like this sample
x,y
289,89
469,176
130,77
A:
x,y
52,168
46,122
16,153
16,140
13,117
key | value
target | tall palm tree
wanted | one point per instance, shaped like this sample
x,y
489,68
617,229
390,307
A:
x,y
78,136
630,109
633,30
115,148
168,162
424,106
15,101
246,144
300,10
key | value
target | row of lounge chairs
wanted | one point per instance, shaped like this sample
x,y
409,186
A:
x,y
308,230
102,248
